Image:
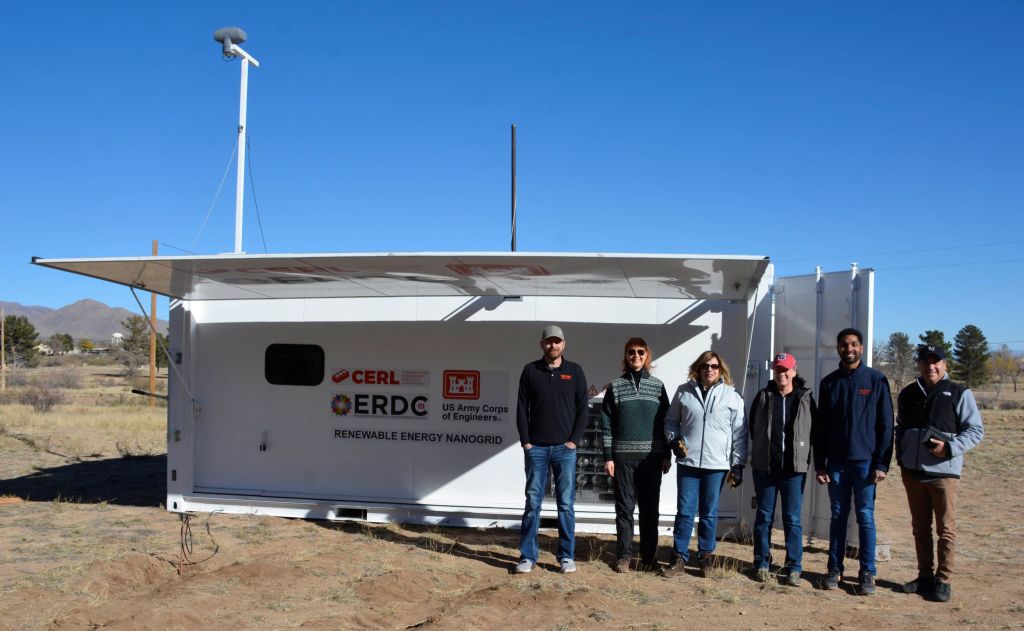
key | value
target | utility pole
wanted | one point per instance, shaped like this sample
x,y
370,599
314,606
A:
x,y
152,341
3,351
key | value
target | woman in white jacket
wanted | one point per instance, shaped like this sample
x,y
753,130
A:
x,y
706,428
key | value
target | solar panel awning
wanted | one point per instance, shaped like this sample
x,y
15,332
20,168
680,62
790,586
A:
x,y
277,276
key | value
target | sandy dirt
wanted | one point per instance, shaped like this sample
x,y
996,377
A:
x,y
86,544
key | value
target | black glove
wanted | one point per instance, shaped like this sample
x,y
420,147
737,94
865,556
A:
x,y
679,448
735,477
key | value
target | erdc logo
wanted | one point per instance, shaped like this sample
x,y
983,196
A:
x,y
383,405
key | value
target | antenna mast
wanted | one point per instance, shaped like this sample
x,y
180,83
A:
x,y
228,37
513,187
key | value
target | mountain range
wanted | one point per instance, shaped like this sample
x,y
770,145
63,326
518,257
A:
x,y
85,319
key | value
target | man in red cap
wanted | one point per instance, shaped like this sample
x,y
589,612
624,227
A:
x,y
780,422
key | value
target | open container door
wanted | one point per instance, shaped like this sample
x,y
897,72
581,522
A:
x,y
809,311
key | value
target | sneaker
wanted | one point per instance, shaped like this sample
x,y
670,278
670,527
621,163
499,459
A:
x,y
567,566
920,585
832,580
793,578
674,568
706,565
524,567
942,591
866,584
622,566
763,575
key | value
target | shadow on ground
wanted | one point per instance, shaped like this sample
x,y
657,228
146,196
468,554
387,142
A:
x,y
133,481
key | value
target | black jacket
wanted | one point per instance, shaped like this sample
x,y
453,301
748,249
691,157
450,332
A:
x,y
552,405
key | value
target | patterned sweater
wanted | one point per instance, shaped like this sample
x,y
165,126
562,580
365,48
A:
x,y
632,418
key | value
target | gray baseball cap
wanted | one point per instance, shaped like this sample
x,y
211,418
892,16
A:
x,y
552,330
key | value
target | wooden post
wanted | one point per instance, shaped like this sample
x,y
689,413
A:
x,y
152,341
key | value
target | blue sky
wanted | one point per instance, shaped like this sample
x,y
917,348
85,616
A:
x,y
818,133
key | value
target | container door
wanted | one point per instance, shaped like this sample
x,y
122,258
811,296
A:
x,y
809,311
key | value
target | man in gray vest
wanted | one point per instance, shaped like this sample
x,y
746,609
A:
x,y
938,422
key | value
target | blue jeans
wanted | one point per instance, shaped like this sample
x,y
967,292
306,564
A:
x,y
853,477
703,487
562,461
768,486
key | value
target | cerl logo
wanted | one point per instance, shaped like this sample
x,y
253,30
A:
x,y
383,405
368,377
462,384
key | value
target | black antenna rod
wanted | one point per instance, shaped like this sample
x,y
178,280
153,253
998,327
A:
x,y
513,187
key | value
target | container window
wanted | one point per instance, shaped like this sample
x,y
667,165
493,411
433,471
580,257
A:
x,y
294,364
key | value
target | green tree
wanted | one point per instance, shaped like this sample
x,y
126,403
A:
x,y
936,338
67,343
970,350
1005,365
86,345
20,340
898,359
134,350
60,343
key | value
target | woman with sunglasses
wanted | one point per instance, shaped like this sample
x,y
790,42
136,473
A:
x,y
706,428
780,435
635,453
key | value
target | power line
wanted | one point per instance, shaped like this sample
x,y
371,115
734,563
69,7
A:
x,y
217,195
252,185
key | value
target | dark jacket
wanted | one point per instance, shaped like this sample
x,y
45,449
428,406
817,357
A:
x,y
633,418
948,408
760,422
854,420
552,405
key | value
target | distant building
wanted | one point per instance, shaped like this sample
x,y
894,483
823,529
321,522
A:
x,y
117,339
44,349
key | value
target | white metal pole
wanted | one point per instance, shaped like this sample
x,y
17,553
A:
x,y
240,180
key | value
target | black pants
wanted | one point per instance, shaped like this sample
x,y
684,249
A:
x,y
637,482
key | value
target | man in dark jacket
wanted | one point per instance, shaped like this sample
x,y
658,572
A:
x,y
780,423
938,422
852,439
551,415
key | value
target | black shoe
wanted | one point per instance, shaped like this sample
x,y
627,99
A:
x,y
674,568
866,584
832,580
920,585
647,566
942,592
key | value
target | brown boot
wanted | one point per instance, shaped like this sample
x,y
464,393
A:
x,y
707,565
674,568
622,566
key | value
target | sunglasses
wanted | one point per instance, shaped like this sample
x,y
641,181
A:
x,y
710,366
639,352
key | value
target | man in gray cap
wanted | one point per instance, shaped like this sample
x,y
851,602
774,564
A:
x,y
938,422
551,415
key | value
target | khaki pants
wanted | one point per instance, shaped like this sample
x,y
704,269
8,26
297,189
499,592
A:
x,y
938,498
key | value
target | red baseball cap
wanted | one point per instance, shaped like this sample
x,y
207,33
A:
x,y
785,360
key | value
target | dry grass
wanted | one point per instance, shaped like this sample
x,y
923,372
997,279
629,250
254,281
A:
x,y
80,563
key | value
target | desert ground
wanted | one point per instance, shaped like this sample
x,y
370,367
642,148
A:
x,y
86,543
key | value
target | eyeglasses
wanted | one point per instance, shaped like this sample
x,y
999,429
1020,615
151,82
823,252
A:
x,y
639,352
710,366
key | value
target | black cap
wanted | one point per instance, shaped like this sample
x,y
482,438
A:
x,y
924,352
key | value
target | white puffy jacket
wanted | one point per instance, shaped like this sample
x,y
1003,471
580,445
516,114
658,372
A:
x,y
713,427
